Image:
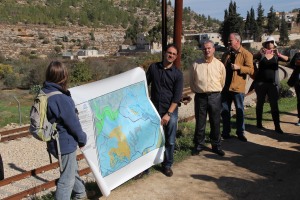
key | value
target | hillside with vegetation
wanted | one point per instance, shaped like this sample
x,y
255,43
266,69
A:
x,y
33,32
142,15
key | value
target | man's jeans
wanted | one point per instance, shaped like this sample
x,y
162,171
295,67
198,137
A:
x,y
170,135
69,180
238,99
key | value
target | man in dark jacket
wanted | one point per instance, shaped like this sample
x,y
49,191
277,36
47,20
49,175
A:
x,y
294,80
166,91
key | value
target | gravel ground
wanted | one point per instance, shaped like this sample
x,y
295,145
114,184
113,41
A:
x,y
26,154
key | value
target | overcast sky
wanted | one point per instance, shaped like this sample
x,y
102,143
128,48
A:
x,y
215,8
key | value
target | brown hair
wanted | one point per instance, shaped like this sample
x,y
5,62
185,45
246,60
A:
x,y
57,73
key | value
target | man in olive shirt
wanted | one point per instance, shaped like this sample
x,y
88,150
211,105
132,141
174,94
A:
x,y
207,78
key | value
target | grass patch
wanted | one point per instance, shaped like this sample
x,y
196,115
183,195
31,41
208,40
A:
x,y
285,105
9,106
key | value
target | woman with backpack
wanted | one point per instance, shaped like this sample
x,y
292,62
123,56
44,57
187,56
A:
x,y
61,109
267,81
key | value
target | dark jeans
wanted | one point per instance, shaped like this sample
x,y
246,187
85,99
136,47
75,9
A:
x,y
207,103
262,89
238,99
170,136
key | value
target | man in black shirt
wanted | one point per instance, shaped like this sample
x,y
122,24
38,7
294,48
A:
x,y
166,91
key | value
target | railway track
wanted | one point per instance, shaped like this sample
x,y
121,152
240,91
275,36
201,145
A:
x,y
31,182
13,134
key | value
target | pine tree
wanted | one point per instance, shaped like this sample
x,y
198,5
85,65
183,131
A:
x,y
233,23
259,22
253,25
284,35
272,21
247,26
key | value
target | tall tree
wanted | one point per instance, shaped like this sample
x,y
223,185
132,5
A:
x,y
259,22
253,25
233,22
284,35
247,26
272,21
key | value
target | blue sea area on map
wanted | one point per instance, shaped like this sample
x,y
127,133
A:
x,y
127,127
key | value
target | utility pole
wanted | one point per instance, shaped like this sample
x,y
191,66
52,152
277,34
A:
x,y
164,25
178,29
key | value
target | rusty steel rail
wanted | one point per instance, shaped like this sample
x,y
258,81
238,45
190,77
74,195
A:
x,y
42,187
34,172
13,134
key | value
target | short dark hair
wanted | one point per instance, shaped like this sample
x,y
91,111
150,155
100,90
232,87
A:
x,y
209,41
171,45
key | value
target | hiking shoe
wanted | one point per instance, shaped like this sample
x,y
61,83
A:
x,y
168,171
260,126
218,151
196,151
226,136
242,138
278,130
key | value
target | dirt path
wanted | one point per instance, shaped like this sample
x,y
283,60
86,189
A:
x,y
266,167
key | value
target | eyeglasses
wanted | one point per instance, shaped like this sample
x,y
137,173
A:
x,y
171,53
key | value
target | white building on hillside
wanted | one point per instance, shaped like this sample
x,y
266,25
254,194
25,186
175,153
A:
x,y
88,53
201,37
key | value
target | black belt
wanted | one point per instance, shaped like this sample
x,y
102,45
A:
x,y
207,93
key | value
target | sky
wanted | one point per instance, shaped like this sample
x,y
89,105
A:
x,y
215,8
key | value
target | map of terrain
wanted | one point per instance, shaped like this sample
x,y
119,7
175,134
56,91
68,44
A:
x,y
126,127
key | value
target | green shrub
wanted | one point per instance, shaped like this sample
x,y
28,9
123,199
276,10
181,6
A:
x,y
81,73
41,36
10,80
46,41
5,69
284,90
57,49
65,39
35,89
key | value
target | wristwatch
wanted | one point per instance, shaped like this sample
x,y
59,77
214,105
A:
x,y
170,113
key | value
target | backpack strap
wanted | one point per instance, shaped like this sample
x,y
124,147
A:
x,y
53,93
56,136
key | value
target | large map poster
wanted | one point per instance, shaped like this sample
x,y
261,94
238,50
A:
x,y
123,128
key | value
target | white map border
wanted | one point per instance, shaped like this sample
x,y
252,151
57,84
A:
x,y
81,95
